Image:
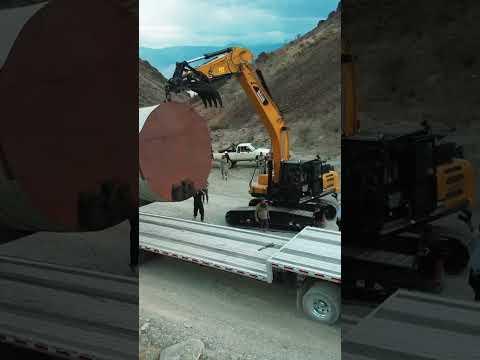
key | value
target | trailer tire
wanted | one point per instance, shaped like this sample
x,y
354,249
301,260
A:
x,y
233,164
322,302
458,257
330,212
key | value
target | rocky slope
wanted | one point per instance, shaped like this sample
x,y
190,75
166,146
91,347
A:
x,y
151,84
418,62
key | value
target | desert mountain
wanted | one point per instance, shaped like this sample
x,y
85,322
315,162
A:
x,y
151,84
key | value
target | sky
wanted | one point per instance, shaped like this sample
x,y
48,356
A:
x,y
166,23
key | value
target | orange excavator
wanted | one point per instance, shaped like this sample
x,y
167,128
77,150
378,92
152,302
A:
x,y
396,184
295,189
416,176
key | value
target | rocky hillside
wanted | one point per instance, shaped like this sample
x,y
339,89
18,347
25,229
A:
x,y
151,84
304,79
417,62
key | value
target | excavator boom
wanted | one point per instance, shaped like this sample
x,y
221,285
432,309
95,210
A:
x,y
205,78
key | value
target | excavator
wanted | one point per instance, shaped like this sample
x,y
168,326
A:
x,y
396,184
295,189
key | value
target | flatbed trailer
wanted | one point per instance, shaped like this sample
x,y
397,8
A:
x,y
68,312
414,325
312,256
415,259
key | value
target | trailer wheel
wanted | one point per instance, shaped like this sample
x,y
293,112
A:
x,y
458,256
322,302
233,164
330,212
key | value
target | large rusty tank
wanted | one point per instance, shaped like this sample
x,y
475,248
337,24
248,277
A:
x,y
174,152
69,151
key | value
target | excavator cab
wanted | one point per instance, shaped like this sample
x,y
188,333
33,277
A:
x,y
306,179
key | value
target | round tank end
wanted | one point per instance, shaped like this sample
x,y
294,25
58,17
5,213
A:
x,y
174,152
67,130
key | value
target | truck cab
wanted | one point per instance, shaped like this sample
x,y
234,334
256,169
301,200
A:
x,y
245,148
247,151
242,152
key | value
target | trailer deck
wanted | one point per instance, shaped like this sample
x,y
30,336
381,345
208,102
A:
x,y
68,312
312,252
414,325
244,252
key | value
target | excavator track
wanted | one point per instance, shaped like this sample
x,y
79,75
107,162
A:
x,y
281,218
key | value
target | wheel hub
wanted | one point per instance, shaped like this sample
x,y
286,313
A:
x,y
321,309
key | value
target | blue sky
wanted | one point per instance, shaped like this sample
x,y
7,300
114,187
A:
x,y
165,23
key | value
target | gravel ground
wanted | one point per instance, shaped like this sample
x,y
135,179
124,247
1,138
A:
x,y
235,317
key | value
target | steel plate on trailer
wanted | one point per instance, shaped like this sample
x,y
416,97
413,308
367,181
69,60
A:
x,y
68,312
312,251
244,252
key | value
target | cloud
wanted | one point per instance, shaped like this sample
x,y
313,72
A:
x,y
217,22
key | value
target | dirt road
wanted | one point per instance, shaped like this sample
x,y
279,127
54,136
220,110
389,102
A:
x,y
235,317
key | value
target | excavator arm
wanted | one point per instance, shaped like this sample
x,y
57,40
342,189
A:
x,y
205,78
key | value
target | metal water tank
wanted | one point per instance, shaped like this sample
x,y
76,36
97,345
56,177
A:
x,y
174,152
68,136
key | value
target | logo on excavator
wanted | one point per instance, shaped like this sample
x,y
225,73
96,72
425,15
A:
x,y
260,95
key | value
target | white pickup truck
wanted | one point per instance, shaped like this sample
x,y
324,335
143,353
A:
x,y
241,152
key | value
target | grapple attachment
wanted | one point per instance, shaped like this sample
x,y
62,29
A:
x,y
187,78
